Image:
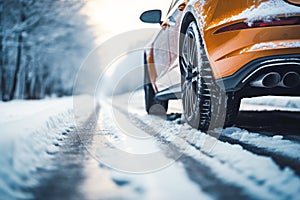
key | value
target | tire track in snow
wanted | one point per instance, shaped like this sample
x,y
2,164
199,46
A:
x,y
66,179
232,164
172,182
197,172
266,133
281,159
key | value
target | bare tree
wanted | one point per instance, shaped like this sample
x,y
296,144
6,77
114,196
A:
x,y
43,44
1,52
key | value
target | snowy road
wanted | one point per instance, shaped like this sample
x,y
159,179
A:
x,y
125,154
120,152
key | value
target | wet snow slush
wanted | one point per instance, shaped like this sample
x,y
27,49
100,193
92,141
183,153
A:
x,y
120,152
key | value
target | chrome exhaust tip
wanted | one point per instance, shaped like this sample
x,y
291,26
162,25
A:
x,y
290,80
268,80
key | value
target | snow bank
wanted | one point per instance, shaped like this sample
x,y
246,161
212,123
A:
x,y
31,133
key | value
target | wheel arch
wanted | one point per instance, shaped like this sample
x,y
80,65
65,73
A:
x,y
186,20
188,17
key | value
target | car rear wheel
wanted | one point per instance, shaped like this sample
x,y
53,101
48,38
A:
x,y
152,105
205,106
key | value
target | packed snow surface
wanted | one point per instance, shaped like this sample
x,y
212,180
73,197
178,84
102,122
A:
x,y
231,163
31,133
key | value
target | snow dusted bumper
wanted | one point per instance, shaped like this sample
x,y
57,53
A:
x,y
242,81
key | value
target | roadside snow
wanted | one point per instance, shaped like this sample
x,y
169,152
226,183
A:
x,y
31,133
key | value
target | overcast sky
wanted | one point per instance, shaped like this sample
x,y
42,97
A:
x,y
112,17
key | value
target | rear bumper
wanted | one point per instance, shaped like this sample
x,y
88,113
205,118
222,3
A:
x,y
241,79
228,52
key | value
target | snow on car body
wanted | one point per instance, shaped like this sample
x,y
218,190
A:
x,y
213,53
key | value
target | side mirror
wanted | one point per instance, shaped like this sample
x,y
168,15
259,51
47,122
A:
x,y
151,16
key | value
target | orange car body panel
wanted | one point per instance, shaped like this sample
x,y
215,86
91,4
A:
x,y
229,51
296,2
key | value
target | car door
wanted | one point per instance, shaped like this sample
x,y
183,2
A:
x,y
160,52
165,53
174,19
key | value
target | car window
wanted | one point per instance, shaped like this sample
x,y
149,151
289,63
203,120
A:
x,y
173,3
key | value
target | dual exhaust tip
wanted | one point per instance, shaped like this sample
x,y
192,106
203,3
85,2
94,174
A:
x,y
274,79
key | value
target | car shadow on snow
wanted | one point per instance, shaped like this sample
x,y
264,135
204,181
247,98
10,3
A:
x,y
285,123
270,123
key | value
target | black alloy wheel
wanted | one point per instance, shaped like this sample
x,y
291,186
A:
x,y
205,105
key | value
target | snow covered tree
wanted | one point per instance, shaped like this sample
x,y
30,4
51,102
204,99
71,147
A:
x,y
43,43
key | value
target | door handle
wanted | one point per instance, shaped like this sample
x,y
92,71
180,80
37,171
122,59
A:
x,y
169,22
172,21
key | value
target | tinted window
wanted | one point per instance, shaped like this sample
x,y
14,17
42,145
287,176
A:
x,y
174,3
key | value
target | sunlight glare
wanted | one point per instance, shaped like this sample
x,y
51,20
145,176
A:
x,y
112,17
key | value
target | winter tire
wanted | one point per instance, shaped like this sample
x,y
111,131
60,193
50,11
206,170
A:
x,y
205,106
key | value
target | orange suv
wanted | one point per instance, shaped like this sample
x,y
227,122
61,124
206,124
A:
x,y
213,53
